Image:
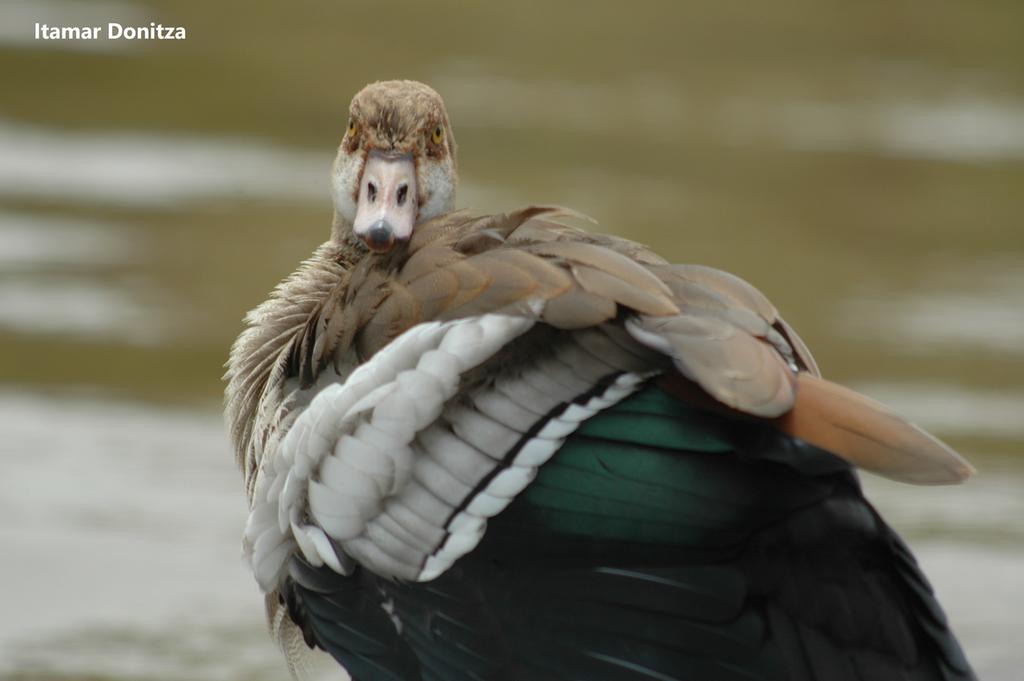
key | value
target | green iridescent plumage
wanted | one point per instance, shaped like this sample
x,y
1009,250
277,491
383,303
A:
x,y
661,542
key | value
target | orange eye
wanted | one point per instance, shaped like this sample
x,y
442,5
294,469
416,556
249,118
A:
x,y
351,127
437,135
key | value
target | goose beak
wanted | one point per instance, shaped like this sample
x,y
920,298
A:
x,y
388,203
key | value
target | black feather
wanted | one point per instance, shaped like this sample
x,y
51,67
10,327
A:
x,y
660,543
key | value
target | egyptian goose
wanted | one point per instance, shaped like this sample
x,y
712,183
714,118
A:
x,y
501,447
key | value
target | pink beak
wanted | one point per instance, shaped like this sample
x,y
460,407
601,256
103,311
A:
x,y
387,206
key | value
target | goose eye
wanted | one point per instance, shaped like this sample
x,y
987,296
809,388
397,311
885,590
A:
x,y
351,128
437,135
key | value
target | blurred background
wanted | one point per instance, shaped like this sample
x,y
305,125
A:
x,y
862,163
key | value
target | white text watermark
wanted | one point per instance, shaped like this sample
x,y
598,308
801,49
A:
x,y
112,31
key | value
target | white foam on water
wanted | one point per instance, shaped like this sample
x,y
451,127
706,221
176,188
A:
x,y
968,539
957,126
953,410
150,169
981,508
79,307
126,523
951,128
31,241
484,98
980,590
977,306
52,281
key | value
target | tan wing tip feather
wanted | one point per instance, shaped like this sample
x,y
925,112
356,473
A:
x,y
555,211
870,436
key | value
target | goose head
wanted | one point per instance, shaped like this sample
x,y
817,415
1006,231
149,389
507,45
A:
x,y
395,166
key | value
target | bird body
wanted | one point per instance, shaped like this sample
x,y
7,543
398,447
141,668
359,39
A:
x,y
501,447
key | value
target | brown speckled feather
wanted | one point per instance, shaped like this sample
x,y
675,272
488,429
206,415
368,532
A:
x,y
720,332
257,367
459,265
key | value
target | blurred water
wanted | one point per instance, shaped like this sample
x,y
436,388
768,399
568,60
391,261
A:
x,y
149,169
974,305
861,166
124,524
18,19
952,127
